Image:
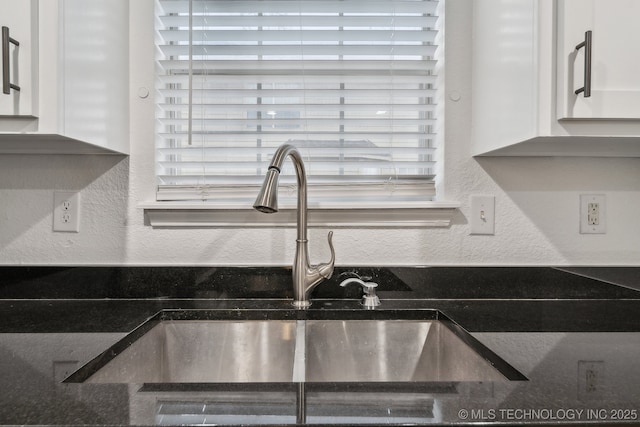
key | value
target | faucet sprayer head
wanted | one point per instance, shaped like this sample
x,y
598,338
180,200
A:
x,y
267,200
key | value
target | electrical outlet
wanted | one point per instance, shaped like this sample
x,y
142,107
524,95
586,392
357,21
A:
x,y
592,214
591,379
483,214
66,211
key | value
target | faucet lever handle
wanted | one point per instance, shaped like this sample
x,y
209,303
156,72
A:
x,y
333,252
326,269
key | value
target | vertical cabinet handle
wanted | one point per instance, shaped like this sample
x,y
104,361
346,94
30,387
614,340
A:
x,y
587,65
6,82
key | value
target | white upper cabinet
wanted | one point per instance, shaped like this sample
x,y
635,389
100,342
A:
x,y
19,21
614,66
526,69
81,76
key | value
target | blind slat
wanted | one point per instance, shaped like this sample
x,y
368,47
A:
x,y
296,37
326,7
330,50
215,181
335,122
417,93
249,152
368,67
275,107
245,191
385,81
221,137
312,163
179,22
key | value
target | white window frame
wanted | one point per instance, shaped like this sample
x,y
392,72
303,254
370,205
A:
x,y
405,214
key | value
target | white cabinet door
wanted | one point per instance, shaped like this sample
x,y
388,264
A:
x,y
95,72
80,70
615,59
523,104
20,17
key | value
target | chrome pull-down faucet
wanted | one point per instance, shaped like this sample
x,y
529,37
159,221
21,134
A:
x,y
305,276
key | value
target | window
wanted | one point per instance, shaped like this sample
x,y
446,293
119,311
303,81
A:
x,y
351,83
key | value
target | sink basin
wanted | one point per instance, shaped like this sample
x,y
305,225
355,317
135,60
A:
x,y
229,346
187,351
391,351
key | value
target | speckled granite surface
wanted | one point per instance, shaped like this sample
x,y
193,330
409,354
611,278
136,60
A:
x,y
576,339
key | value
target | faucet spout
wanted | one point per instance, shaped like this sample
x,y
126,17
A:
x,y
305,276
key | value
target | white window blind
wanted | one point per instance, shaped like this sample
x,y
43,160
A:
x,y
351,83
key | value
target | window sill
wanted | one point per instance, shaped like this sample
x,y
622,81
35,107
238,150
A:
x,y
198,215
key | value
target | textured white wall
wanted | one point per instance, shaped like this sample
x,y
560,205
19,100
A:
x,y
536,200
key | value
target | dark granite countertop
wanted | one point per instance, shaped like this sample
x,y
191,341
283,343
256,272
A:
x,y
574,333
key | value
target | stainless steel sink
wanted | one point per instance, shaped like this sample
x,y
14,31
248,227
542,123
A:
x,y
188,351
391,351
193,348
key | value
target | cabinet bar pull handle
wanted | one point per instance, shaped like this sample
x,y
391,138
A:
x,y
587,65
6,83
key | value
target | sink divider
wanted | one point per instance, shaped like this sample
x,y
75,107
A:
x,y
300,370
300,351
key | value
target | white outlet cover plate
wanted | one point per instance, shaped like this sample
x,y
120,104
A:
x,y
59,223
482,219
585,227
